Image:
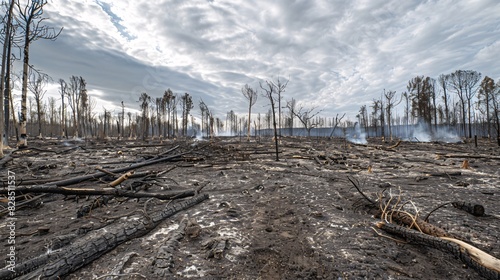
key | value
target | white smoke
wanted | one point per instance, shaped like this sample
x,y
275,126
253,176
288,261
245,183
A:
x,y
358,137
422,133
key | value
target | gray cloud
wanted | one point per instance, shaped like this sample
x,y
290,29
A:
x,y
338,55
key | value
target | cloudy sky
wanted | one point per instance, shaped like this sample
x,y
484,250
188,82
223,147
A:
x,y
338,55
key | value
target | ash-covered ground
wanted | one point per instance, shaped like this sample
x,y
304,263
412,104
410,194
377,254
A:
x,y
296,218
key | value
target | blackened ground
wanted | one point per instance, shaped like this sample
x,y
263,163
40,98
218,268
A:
x,y
297,218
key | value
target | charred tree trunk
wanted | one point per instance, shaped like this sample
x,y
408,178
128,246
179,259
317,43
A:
x,y
61,262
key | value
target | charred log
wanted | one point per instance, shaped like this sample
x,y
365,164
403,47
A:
x,y
56,264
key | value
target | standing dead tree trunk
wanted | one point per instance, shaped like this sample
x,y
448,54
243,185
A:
x,y
30,18
68,259
269,90
7,45
251,95
37,83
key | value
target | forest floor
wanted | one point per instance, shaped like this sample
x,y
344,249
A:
x,y
296,218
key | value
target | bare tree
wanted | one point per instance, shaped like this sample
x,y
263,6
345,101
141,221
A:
x,y
390,104
406,97
37,83
63,88
375,114
337,121
420,91
4,83
306,116
168,102
187,105
207,119
251,95
495,102
122,121
31,20
280,87
486,92
144,100
464,82
52,114
270,90
444,81
75,90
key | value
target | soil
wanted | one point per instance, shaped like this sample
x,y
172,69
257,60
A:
x,y
296,218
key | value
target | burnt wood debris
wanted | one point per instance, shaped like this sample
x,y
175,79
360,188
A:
x,y
327,209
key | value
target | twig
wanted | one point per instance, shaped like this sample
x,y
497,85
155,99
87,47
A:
x,y
357,188
440,206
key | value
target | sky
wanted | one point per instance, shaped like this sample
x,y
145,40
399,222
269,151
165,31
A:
x,y
337,55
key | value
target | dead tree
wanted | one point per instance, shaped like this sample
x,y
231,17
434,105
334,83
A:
x,y
168,101
30,19
75,90
390,104
269,92
187,105
485,99
63,87
444,83
251,95
60,262
37,83
4,82
145,99
336,124
305,116
464,82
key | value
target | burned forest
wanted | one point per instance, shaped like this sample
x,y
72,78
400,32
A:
x,y
271,140
224,208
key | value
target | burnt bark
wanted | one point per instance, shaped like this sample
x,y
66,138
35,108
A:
x,y
473,209
443,245
58,263
101,191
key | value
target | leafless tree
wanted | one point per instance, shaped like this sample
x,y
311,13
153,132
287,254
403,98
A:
x,y
406,97
306,116
485,96
144,100
444,80
280,87
207,119
376,106
169,103
187,105
270,90
421,93
63,88
337,121
495,102
464,82
251,95
30,21
291,105
363,117
4,83
52,114
74,91
37,83
390,104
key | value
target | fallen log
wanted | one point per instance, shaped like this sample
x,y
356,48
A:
x,y
58,263
485,264
416,223
102,191
96,175
164,260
